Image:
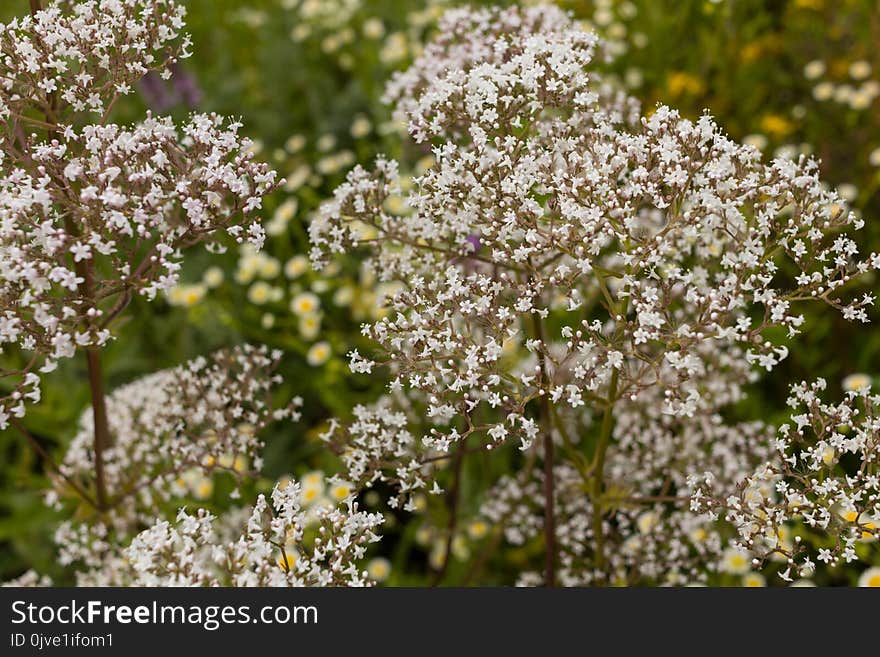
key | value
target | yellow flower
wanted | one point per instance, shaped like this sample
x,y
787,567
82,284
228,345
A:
x,y
424,164
360,127
212,277
823,91
310,326
814,69
680,83
286,211
374,28
394,49
268,267
647,521
776,125
478,529
754,580
395,204
340,490
854,517
203,488
260,293
326,143
240,464
856,382
295,143
297,178
310,494
313,478
438,554
186,295
296,266
870,578
344,296
751,51
305,304
699,535
423,535
859,70
379,569
288,557
735,561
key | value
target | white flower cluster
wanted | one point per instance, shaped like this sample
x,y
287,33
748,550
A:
x,y
196,419
822,478
29,578
650,534
93,213
377,446
86,53
681,234
206,414
571,270
488,70
272,550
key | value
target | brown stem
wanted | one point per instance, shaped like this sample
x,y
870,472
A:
x,y
122,301
102,427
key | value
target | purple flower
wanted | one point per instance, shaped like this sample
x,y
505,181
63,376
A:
x,y
160,96
186,86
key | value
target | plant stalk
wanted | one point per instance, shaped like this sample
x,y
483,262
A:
x,y
102,427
